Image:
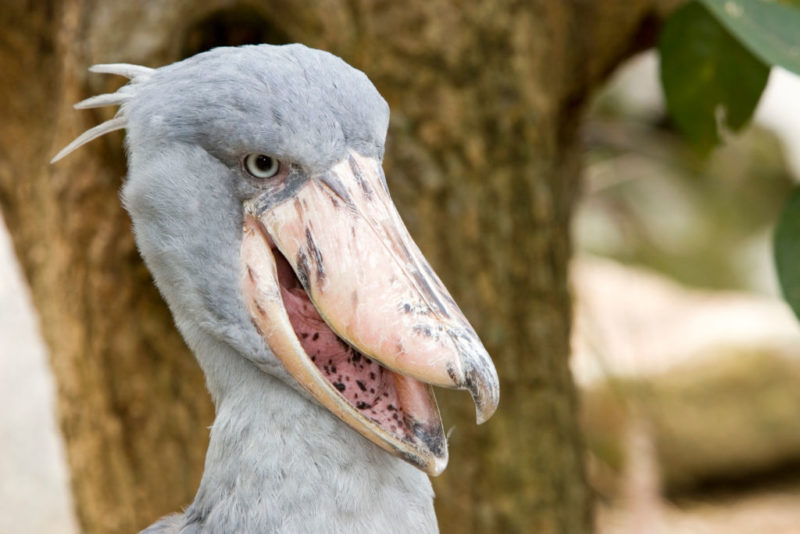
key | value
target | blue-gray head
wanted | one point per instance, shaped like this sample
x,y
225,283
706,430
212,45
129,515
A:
x,y
260,206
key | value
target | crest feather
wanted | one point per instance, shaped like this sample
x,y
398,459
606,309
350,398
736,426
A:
x,y
117,123
99,101
135,73
122,69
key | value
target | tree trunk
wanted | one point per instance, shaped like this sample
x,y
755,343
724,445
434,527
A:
x,y
483,162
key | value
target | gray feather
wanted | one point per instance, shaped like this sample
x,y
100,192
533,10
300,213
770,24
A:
x,y
170,524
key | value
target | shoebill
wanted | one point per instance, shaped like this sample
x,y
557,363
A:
x,y
260,206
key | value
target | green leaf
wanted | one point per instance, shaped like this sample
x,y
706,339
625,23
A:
x,y
787,251
769,29
709,79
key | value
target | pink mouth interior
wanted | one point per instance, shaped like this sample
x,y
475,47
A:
x,y
365,384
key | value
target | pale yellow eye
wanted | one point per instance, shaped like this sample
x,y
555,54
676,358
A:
x,y
261,165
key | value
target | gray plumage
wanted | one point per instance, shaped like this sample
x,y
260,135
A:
x,y
277,461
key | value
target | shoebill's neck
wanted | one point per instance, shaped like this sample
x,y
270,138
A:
x,y
278,462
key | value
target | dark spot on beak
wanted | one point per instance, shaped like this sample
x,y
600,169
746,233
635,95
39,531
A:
x,y
335,184
316,256
431,435
281,192
302,268
425,330
359,176
451,372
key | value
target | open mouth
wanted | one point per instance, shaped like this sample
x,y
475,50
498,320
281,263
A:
x,y
395,411
365,384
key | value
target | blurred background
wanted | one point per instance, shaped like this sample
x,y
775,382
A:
x,y
687,359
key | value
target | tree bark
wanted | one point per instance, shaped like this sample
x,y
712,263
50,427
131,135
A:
x,y
483,162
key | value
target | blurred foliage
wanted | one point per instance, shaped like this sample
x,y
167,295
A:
x,y
732,416
715,61
663,193
711,82
770,29
787,251
652,201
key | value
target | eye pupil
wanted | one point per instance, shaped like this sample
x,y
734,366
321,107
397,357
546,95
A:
x,y
261,165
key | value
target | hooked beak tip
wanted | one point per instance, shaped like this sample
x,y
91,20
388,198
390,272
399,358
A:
x,y
477,374
485,391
